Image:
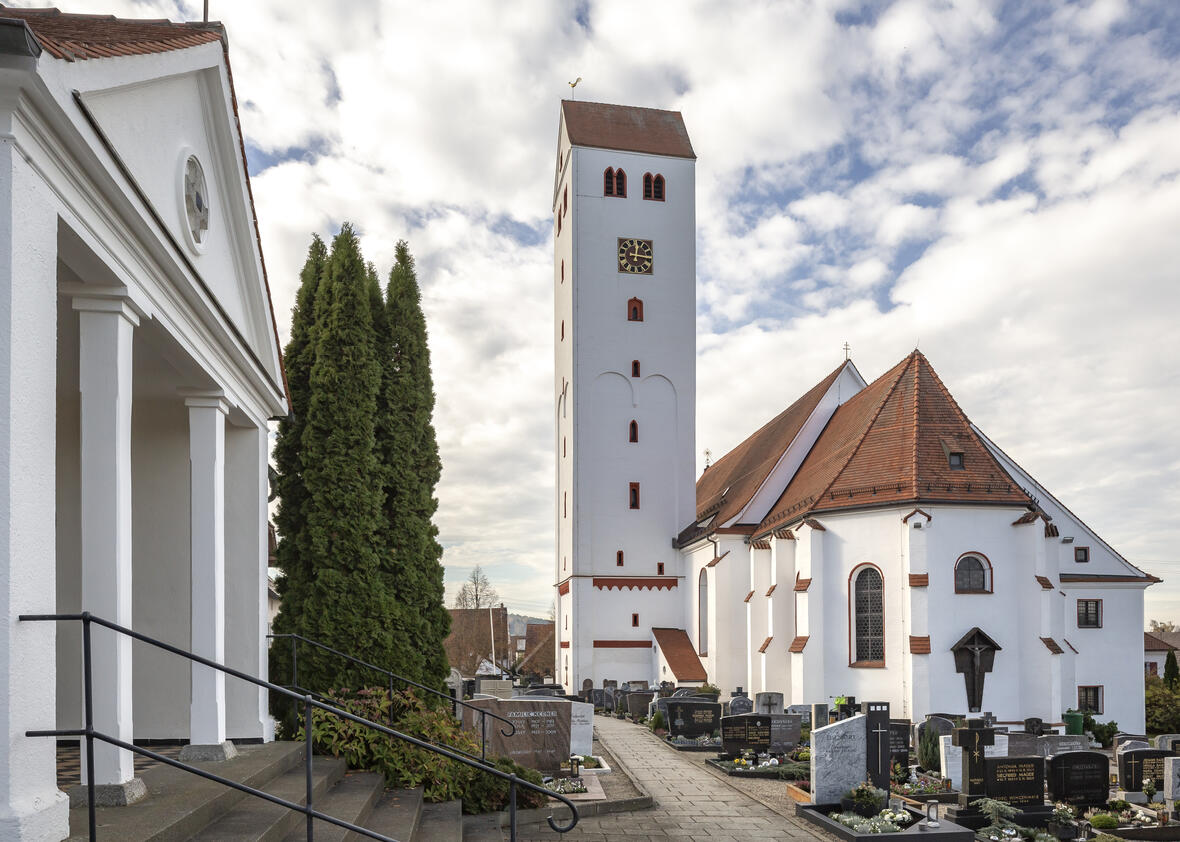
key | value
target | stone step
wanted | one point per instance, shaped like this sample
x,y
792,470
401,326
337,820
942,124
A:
x,y
352,800
441,823
180,803
256,820
397,815
485,828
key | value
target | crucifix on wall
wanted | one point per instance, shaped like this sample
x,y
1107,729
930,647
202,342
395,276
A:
x,y
975,654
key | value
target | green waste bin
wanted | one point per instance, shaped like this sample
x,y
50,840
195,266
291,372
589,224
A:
x,y
1073,722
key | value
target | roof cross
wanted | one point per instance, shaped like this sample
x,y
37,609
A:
x,y
847,349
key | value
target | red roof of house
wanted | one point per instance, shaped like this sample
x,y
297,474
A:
x,y
1151,643
626,127
890,443
77,37
680,654
727,486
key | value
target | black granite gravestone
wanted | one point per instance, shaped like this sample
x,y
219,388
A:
x,y
785,731
598,698
1019,781
739,705
693,717
877,745
1081,778
899,741
745,732
819,716
1034,725
972,740
1137,765
848,708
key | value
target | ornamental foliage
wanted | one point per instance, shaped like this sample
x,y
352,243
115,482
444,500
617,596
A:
x,y
356,494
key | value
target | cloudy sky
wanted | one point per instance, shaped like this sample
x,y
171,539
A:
x,y
995,183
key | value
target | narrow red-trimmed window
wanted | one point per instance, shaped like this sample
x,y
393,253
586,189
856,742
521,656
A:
x,y
563,330
608,182
619,559
559,225
633,495
620,183
563,445
565,201
1090,698
647,185
659,568
564,500
563,271
635,621
633,431
634,368
657,191
635,310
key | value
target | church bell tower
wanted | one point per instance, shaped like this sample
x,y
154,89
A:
x,y
624,278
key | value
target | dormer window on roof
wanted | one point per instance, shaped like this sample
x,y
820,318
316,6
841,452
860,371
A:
x,y
956,461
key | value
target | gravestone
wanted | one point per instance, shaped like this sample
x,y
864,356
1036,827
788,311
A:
x,y
1171,791
745,732
1059,743
1023,744
951,756
454,684
610,684
542,738
1139,764
1167,742
739,705
598,698
637,703
942,727
785,732
819,716
1081,778
847,708
973,740
636,685
587,684
802,711
1132,744
768,703
1122,737
581,728
499,687
877,752
1019,781
899,742
1034,725
691,718
837,759
738,692
684,691
608,699
621,703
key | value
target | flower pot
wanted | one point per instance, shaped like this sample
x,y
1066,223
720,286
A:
x,y
867,810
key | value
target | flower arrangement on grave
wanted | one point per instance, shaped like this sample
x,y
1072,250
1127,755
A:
x,y
589,761
915,788
1102,821
864,799
899,774
566,786
1061,821
1149,790
887,821
800,755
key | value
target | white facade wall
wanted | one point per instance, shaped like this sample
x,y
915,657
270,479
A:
x,y
597,398
1110,657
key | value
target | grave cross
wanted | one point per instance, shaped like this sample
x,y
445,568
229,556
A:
x,y
973,739
1134,782
877,723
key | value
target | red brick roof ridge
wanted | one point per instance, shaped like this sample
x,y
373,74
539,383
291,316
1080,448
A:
x,y
917,429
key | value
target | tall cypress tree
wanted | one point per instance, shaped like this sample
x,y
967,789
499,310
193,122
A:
x,y
298,357
413,467
348,603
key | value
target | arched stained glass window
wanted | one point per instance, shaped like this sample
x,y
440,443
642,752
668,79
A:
x,y
658,189
620,183
972,575
608,181
868,596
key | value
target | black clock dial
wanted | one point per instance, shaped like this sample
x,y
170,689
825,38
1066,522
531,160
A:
x,y
635,256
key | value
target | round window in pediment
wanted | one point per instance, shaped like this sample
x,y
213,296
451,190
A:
x,y
196,200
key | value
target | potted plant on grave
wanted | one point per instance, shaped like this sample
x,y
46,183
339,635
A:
x,y
1062,822
864,799
658,725
1149,793
707,689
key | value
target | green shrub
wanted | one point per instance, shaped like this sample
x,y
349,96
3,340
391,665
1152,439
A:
x,y
1104,821
406,766
657,721
928,754
709,689
1161,705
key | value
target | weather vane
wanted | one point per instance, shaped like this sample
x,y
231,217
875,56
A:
x,y
573,85
708,457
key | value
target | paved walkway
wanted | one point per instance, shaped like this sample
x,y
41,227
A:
x,y
691,802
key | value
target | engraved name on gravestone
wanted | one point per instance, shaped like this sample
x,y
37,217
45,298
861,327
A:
x,y
1139,764
542,738
581,728
952,756
1060,743
689,717
1081,778
745,732
899,741
785,731
837,759
739,705
1019,781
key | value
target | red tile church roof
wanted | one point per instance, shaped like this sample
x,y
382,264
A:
x,y
679,653
77,37
890,443
626,127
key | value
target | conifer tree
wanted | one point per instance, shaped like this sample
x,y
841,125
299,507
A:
x,y
1171,670
298,357
413,467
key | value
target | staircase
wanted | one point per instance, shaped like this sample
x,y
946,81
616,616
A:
x,y
181,806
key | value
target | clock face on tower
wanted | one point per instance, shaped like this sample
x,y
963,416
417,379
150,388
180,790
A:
x,y
635,256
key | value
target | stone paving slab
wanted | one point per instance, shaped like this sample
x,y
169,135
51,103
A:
x,y
690,802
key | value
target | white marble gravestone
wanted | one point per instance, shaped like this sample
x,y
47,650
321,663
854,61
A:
x,y
838,759
581,728
1171,791
952,757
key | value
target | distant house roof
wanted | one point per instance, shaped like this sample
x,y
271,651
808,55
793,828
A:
x,y
678,651
538,649
1154,642
470,640
627,128
891,443
76,37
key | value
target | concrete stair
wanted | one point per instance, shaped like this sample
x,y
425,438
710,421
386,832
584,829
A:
x,y
182,806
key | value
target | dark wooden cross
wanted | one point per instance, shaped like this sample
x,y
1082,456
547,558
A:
x,y
972,740
1134,783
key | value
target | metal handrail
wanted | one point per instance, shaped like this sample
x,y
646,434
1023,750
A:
x,y
309,703
392,676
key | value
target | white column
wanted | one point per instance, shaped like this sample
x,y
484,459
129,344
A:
x,y
31,807
106,330
206,436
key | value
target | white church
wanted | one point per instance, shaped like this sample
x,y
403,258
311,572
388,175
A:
x,y
140,367
867,541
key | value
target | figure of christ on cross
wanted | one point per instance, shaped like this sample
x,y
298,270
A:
x,y
973,739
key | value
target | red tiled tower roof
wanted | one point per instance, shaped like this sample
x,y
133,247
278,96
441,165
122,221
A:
x,y
626,127
77,37
891,443
680,654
